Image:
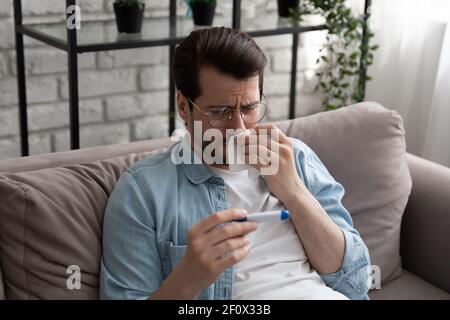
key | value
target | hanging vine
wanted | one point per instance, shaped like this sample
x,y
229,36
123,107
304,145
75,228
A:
x,y
346,54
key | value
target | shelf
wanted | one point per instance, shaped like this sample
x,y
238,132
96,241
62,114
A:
x,y
103,35
167,31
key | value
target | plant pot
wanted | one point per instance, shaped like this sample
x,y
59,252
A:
x,y
285,5
129,19
203,13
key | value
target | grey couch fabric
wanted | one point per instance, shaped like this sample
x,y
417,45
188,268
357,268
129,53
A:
x,y
59,159
51,220
425,236
409,287
363,147
85,164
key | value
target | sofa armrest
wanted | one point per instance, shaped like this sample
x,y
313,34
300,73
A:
x,y
425,232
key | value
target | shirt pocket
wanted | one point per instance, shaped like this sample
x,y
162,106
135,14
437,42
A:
x,y
171,255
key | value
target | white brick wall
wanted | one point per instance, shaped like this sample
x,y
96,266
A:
x,y
52,116
6,33
8,91
42,7
9,148
98,83
5,8
131,106
124,94
95,135
40,143
3,65
49,61
154,78
279,108
8,121
150,127
276,84
133,57
39,89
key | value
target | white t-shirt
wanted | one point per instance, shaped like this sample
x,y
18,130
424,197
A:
x,y
277,266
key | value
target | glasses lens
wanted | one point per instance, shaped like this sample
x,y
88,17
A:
x,y
252,114
255,113
218,117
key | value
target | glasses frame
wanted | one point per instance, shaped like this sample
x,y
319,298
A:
x,y
231,113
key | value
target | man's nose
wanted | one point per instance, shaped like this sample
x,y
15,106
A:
x,y
236,122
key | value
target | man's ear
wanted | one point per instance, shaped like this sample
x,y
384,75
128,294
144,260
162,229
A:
x,y
183,106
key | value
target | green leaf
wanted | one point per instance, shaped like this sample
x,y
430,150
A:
x,y
348,29
354,55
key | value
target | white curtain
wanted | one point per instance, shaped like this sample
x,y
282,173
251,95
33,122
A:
x,y
411,71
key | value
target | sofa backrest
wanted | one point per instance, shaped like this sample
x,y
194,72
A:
x,y
52,213
363,146
51,223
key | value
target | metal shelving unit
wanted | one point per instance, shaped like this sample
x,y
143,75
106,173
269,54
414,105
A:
x,y
156,32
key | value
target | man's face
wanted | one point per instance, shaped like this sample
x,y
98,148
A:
x,y
220,90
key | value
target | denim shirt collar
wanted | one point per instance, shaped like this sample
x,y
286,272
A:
x,y
195,171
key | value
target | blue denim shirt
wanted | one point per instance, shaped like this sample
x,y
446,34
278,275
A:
x,y
156,202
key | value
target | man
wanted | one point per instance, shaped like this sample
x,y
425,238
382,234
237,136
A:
x,y
168,227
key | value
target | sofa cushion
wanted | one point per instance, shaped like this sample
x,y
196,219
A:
x,y
409,287
51,220
51,216
64,158
363,147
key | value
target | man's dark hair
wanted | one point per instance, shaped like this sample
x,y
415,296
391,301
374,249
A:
x,y
230,51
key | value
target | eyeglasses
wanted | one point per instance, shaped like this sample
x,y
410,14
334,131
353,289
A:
x,y
219,116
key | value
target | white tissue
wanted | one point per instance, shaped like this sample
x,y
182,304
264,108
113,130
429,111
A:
x,y
252,172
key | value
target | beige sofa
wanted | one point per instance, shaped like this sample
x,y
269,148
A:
x,y
52,207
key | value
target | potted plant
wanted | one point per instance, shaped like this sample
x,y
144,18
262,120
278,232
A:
x,y
203,11
284,7
346,54
129,15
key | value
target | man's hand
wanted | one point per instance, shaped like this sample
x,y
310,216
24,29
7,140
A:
x,y
322,239
212,248
272,144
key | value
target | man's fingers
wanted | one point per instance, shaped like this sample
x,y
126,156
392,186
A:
x,y
233,257
231,230
258,156
270,141
224,248
216,219
273,131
